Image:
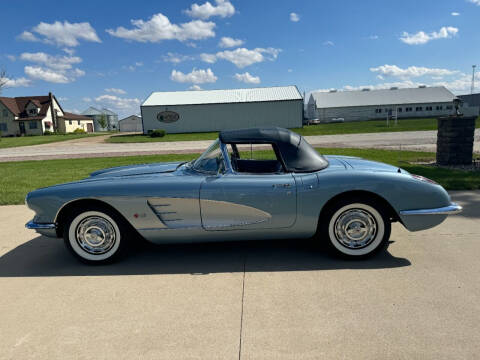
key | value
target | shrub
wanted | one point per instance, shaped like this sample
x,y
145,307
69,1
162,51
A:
x,y
46,132
157,133
79,131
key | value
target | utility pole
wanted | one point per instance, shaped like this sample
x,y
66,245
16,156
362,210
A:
x,y
472,89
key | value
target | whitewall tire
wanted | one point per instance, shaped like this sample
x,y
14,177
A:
x,y
94,236
356,228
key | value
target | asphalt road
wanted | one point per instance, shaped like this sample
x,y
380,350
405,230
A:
x,y
93,147
253,300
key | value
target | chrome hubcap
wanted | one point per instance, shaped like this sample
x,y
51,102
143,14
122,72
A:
x,y
95,235
355,228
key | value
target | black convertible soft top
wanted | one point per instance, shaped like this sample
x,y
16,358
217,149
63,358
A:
x,y
297,154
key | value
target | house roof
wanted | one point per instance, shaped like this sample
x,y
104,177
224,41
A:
x,y
17,105
278,93
382,97
70,116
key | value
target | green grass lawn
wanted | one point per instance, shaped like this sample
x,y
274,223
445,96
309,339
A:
x,y
8,142
372,126
18,178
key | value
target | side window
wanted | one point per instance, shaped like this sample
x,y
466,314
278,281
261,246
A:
x,y
254,158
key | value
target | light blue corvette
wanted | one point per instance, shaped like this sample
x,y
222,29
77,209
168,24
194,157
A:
x,y
262,183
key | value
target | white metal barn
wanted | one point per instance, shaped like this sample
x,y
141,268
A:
x,y
379,104
215,110
132,123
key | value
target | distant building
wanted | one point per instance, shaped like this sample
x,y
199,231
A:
x,y
214,110
132,123
367,104
35,115
471,100
111,119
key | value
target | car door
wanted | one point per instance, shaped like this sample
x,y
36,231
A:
x,y
248,201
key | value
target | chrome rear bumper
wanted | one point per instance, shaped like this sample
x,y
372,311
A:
x,y
452,209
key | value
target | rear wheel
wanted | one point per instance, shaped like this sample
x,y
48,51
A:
x,y
96,235
355,228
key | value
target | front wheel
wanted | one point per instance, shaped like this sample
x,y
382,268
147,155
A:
x,y
95,236
356,228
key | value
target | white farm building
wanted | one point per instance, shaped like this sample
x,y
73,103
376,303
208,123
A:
x,y
367,104
215,110
132,123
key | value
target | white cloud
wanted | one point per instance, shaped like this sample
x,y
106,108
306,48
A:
x,y
176,58
208,58
159,28
290,70
134,66
476,2
247,78
116,91
328,43
223,9
62,98
11,57
58,62
55,69
421,37
200,76
228,42
48,75
455,13
411,71
28,36
243,57
86,99
11,83
117,102
195,88
294,17
373,37
61,34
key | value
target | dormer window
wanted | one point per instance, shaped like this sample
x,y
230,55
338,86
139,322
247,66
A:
x,y
33,111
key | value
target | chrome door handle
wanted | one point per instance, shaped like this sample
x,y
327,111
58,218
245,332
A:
x,y
282,185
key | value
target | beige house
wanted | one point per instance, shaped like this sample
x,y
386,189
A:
x,y
34,115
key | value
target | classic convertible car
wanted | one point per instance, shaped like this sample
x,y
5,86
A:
x,y
260,183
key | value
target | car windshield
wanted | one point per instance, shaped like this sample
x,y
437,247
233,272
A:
x,y
211,160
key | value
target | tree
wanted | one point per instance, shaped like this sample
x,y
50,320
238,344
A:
x,y
102,121
3,79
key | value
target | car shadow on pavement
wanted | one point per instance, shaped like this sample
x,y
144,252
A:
x,y
44,256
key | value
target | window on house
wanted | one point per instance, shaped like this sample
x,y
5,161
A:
x,y
378,111
408,109
449,107
3,127
399,109
33,111
69,122
5,113
418,108
429,108
78,122
439,107
32,125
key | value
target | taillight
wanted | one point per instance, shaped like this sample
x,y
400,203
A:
x,y
422,178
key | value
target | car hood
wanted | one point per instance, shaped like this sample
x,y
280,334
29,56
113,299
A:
x,y
357,163
131,170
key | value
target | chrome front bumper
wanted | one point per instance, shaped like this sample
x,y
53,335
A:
x,y
452,209
47,229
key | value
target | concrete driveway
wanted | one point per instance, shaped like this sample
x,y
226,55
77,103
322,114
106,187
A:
x,y
257,300
95,147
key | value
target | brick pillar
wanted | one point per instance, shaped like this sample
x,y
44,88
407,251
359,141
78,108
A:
x,y
455,140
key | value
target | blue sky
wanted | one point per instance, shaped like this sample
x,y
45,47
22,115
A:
x,y
91,53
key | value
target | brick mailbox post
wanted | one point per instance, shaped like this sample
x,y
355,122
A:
x,y
455,140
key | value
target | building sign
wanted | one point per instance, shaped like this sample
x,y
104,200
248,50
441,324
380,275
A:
x,y
168,116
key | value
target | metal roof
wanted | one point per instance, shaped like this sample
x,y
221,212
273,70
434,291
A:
x,y
223,96
382,97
